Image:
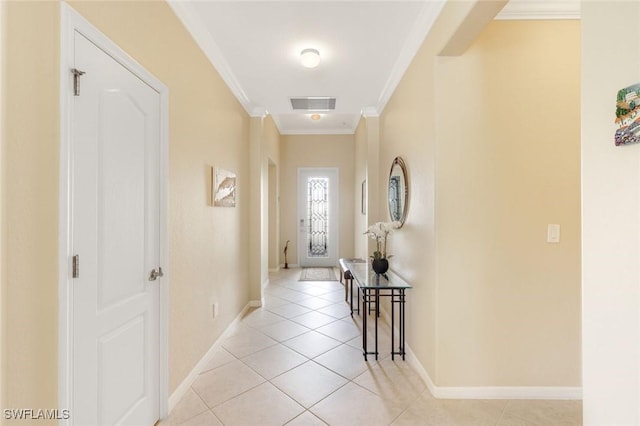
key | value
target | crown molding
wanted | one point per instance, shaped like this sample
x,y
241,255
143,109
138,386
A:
x,y
370,112
204,40
427,17
540,10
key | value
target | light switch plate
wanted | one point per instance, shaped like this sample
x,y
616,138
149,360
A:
x,y
553,233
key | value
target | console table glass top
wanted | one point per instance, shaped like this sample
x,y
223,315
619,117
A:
x,y
367,278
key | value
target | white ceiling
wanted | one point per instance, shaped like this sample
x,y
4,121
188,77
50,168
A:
x,y
365,47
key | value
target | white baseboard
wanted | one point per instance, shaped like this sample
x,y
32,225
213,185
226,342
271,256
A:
x,y
254,304
291,266
183,388
485,392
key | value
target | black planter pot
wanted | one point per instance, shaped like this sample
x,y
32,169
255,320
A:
x,y
380,266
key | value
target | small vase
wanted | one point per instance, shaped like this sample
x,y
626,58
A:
x,y
380,265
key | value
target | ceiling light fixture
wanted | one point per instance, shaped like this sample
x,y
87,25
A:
x,y
310,58
315,117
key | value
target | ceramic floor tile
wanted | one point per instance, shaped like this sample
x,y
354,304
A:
x,y
337,310
223,383
313,319
314,303
340,330
263,405
247,342
233,390
316,290
392,380
289,310
260,317
283,330
461,412
189,407
344,360
353,405
295,296
219,358
309,383
331,285
545,412
269,301
306,419
274,361
508,419
311,344
334,296
205,419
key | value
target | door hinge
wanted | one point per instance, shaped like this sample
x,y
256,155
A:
x,y
155,274
75,268
76,81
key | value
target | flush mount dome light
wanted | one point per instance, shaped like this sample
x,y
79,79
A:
x,y
315,117
310,58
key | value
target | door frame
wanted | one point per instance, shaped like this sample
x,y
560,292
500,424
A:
x,y
335,172
70,22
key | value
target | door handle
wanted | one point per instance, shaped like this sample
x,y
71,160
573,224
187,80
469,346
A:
x,y
155,274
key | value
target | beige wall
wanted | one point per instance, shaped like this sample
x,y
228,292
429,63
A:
x,y
271,160
31,202
508,164
360,220
3,182
207,246
316,151
611,224
491,140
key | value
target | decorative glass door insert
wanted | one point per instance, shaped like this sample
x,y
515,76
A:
x,y
318,216
318,219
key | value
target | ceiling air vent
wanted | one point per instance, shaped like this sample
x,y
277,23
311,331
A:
x,y
313,104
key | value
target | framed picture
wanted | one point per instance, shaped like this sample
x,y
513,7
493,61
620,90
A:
x,y
224,188
363,206
628,115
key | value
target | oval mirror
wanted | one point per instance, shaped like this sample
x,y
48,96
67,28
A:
x,y
398,191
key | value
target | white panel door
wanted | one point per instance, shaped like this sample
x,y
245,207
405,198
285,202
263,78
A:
x,y
318,217
115,162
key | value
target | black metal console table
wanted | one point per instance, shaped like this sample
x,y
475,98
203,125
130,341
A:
x,y
372,287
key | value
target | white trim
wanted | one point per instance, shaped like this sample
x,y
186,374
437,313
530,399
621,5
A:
x,y
427,17
482,392
255,303
70,22
183,388
540,10
205,41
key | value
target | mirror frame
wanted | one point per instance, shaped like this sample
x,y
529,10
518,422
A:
x,y
398,161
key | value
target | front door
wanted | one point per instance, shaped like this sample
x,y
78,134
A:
x,y
317,217
115,234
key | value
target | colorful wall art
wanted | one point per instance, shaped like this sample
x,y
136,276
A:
x,y
224,188
628,115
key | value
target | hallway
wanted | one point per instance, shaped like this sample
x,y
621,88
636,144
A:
x,y
298,361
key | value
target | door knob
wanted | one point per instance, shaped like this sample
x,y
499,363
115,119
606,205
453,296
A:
x,y
155,274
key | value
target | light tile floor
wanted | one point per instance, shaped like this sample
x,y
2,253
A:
x,y
298,361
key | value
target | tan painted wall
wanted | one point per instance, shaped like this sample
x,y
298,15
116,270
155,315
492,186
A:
x,y
207,246
316,151
3,182
508,164
360,174
611,224
271,143
31,197
491,140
